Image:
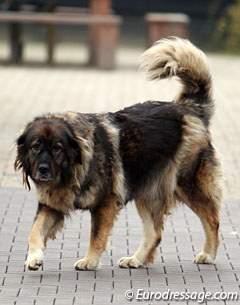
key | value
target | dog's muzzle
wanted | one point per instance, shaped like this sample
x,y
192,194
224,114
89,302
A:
x,y
43,172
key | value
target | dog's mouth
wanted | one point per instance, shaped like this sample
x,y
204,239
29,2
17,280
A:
x,y
43,173
43,177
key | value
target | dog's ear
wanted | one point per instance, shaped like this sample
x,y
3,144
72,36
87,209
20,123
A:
x,y
75,145
21,150
20,161
82,148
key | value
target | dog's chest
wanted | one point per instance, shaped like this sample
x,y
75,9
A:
x,y
60,199
88,198
68,199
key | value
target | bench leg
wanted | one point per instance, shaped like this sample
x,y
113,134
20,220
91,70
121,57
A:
x,y
103,45
92,36
162,29
50,41
16,45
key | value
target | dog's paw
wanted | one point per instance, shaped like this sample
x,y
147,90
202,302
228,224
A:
x,y
86,264
204,258
34,260
130,262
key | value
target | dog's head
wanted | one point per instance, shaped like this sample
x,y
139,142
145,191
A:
x,y
47,150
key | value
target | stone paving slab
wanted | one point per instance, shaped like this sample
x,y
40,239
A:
x,y
58,283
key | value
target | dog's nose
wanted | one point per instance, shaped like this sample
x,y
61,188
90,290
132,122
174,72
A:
x,y
43,168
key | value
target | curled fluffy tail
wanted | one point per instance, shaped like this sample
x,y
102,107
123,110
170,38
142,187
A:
x,y
179,57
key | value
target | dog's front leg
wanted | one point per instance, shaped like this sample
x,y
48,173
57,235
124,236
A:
x,y
46,225
102,220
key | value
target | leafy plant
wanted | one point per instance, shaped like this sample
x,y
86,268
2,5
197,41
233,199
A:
x,y
226,35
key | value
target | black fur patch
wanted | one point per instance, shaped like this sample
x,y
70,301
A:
x,y
150,134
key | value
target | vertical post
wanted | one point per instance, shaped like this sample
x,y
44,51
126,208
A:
x,y
50,6
97,7
164,25
106,44
101,7
51,40
15,34
16,45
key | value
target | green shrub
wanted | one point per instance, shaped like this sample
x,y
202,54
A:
x,y
226,35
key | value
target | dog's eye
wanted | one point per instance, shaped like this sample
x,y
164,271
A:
x,y
57,148
36,147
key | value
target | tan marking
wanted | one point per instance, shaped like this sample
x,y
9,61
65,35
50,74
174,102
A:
x,y
207,207
45,226
36,238
119,184
103,219
160,193
60,199
152,232
195,138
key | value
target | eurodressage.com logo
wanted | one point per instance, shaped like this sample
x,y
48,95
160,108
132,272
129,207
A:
x,y
200,297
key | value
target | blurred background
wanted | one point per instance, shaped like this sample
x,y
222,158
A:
x,y
213,24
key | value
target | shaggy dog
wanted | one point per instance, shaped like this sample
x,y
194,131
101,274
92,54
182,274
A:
x,y
155,153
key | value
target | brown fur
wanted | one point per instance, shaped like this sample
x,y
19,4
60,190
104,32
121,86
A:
x,y
101,227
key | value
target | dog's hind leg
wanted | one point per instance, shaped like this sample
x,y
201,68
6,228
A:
x,y
151,237
209,252
203,194
209,216
102,221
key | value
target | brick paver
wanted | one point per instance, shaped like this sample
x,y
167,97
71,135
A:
x,y
27,91
59,283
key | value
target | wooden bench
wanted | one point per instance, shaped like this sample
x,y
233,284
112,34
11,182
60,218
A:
x,y
102,47
160,25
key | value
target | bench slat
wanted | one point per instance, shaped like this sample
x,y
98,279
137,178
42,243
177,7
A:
x,y
57,18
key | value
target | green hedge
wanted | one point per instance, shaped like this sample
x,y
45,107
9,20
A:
x,y
226,34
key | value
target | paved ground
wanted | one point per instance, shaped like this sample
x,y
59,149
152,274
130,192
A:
x,y
33,89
